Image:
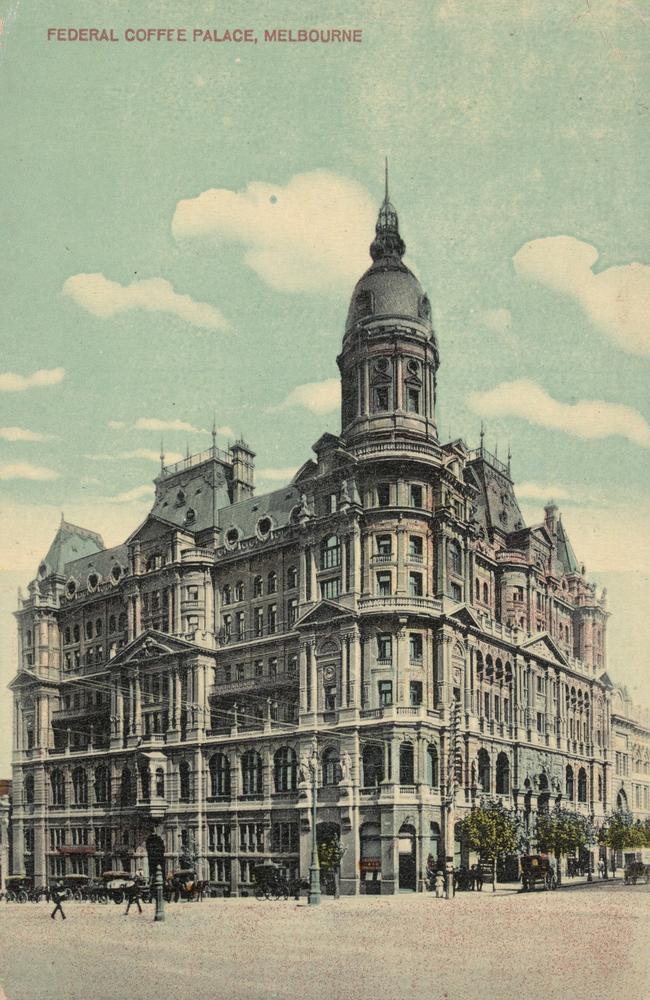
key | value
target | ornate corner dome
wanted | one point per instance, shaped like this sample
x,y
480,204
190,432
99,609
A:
x,y
388,287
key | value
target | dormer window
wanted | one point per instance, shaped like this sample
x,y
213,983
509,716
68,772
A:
x,y
180,498
116,573
190,515
424,308
264,526
93,580
232,537
71,588
363,304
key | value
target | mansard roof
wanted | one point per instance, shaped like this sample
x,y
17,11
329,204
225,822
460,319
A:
x,y
245,514
497,505
100,563
565,552
71,542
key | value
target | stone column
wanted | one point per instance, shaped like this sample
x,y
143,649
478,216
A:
x,y
177,699
401,558
355,562
137,706
304,678
209,602
304,569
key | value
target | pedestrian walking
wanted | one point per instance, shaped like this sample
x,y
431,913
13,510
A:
x,y
472,878
57,898
601,869
478,875
440,885
133,896
612,865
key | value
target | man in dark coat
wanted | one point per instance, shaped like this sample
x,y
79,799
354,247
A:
x,y
133,896
57,895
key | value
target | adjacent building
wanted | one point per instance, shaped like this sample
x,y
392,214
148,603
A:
x,y
386,618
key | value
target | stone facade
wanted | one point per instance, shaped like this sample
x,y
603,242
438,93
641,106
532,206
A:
x,y
386,607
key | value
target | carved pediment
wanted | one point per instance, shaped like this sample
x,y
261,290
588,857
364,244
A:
x,y
324,613
465,616
26,679
152,645
545,648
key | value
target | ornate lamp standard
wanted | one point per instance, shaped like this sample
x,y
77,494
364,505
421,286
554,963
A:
x,y
314,868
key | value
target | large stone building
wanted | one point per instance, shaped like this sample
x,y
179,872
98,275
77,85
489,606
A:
x,y
170,691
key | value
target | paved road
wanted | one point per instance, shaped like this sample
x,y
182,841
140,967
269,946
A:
x,y
581,943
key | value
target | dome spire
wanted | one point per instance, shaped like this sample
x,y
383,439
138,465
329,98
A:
x,y
387,243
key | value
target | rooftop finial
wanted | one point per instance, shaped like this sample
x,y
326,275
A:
x,y
386,181
387,244
187,448
162,455
214,429
482,434
509,457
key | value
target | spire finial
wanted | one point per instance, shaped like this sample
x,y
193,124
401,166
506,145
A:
x,y
388,243
187,448
386,180
214,429
509,457
162,455
482,434
62,518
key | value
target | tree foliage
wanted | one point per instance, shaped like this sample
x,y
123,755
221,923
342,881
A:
x,y
330,853
492,831
621,831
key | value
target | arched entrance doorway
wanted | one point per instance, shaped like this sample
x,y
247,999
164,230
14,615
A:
x,y
155,854
328,838
407,858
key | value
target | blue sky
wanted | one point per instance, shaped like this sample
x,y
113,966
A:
x,y
184,223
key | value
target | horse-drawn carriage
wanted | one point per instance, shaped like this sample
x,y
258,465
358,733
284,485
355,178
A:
x,y
536,869
18,888
183,884
271,882
637,867
73,886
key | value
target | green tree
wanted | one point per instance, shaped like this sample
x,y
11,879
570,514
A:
x,y
492,830
620,831
562,831
330,853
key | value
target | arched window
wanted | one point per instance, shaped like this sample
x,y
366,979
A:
x,y
67,635
406,764
123,622
226,594
600,788
569,783
331,767
455,558
58,788
330,552
29,789
503,775
582,785
184,781
80,786
284,770
89,630
370,844
251,772
160,783
258,586
76,633
127,789
112,624
486,594
145,781
292,577
239,591
220,775
102,784
271,583
477,589
484,770
99,627
621,802
373,766
432,765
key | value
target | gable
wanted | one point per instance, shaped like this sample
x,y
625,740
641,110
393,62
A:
x,y
153,645
543,646
151,529
465,616
325,612
25,679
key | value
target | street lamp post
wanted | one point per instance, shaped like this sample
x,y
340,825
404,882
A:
x,y
314,868
160,897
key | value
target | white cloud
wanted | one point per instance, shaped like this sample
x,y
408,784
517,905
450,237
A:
x,y
25,470
318,397
104,298
496,319
226,431
279,475
10,382
588,418
153,424
146,453
533,491
310,235
20,434
616,300
137,493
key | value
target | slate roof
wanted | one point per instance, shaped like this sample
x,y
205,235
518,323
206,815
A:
x,y
565,552
100,563
497,504
70,542
245,514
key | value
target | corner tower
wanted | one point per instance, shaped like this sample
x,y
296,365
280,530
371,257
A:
x,y
390,358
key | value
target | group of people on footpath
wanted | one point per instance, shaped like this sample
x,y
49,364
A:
x,y
464,878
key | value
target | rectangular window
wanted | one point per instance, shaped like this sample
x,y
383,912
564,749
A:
x,y
272,618
259,668
415,584
385,692
273,666
330,697
259,622
540,722
415,647
456,592
415,548
384,647
383,494
240,625
292,611
384,584
416,495
412,399
332,503
540,684
330,589
239,671
415,690
497,708
380,398
384,545
486,705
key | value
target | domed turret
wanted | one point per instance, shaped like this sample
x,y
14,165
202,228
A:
x,y
390,357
